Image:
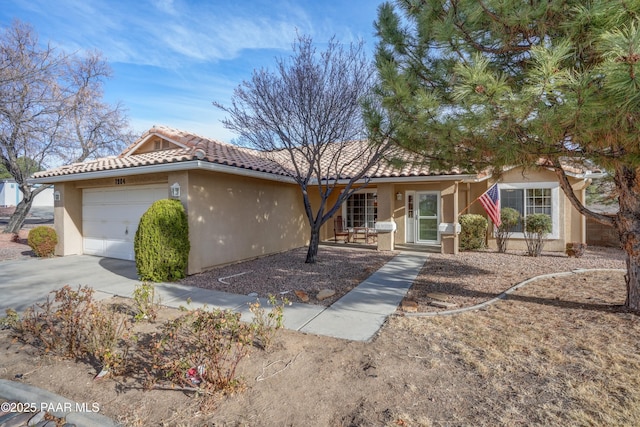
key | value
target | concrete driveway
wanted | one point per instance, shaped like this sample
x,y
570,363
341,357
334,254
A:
x,y
24,282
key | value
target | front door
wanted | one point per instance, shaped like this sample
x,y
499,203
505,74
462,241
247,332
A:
x,y
427,217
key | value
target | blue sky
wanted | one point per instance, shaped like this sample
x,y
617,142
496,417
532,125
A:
x,y
172,58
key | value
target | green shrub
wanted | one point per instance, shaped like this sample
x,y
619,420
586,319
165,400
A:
x,y
509,218
161,243
43,241
473,231
536,228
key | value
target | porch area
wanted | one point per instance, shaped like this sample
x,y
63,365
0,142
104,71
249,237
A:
x,y
404,247
408,216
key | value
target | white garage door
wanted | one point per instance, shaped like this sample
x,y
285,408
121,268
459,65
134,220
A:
x,y
110,217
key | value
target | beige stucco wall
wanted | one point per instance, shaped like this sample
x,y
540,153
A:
x,y
68,219
232,218
571,223
326,232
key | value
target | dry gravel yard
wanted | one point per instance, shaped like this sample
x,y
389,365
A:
x,y
15,247
338,268
474,277
467,279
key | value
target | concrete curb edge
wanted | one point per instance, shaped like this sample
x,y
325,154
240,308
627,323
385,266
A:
x,y
24,393
504,294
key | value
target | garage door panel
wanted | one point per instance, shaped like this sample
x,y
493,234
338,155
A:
x,y
109,248
119,249
122,195
104,230
93,246
114,213
111,217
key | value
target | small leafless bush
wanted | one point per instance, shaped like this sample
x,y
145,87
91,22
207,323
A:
x,y
73,325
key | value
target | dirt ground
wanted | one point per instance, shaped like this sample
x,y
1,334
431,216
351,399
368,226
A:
x,y
560,351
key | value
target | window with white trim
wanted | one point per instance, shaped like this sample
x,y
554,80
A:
x,y
361,210
532,198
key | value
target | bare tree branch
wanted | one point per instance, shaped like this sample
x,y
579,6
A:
x,y
305,116
577,204
51,110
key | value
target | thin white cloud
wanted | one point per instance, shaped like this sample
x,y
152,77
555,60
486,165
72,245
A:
x,y
167,33
166,6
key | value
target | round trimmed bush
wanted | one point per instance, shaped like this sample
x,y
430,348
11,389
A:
x,y
538,224
161,243
43,241
473,229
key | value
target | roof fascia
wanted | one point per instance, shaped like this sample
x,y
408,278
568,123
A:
x,y
405,179
586,175
170,167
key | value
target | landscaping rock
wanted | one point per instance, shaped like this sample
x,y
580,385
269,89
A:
x,y
325,293
409,306
16,419
438,296
443,304
252,294
39,416
302,296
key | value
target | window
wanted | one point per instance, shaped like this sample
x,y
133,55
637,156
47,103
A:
x,y
161,144
362,210
532,198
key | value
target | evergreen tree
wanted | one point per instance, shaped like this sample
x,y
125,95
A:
x,y
503,82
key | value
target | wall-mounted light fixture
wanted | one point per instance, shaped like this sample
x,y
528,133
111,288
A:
x,y
175,190
56,196
398,196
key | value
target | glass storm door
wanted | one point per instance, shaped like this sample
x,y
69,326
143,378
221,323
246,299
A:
x,y
410,217
427,209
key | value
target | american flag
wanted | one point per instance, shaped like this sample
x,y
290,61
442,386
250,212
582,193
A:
x,y
491,203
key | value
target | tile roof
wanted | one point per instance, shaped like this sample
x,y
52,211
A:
x,y
342,160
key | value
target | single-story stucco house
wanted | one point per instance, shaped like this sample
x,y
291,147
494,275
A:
x,y
240,205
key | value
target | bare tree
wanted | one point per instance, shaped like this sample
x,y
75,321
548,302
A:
x,y
51,111
305,117
94,128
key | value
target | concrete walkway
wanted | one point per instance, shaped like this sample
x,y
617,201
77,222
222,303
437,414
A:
x,y
356,316
359,314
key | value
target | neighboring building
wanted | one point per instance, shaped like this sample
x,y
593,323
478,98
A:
x,y
240,205
10,195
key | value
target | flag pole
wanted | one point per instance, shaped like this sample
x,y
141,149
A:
x,y
469,205
477,198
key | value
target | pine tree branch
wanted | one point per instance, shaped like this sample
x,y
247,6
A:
x,y
568,191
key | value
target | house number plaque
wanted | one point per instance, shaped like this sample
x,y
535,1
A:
x,y
120,181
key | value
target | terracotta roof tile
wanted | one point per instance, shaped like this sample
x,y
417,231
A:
x,y
343,160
